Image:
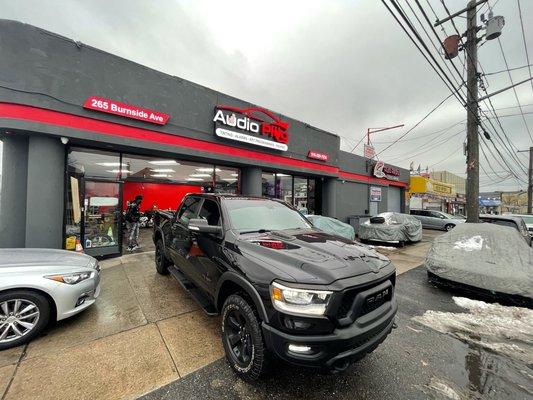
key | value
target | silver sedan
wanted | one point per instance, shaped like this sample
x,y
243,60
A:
x,y
38,286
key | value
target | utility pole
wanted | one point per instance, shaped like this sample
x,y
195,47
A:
x,y
529,181
472,143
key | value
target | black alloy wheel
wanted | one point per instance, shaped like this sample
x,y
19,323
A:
x,y
161,262
448,227
242,338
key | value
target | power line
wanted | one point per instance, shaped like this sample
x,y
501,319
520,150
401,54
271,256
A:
x,y
524,40
514,90
507,70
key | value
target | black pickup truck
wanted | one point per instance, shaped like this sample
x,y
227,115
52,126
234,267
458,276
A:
x,y
282,287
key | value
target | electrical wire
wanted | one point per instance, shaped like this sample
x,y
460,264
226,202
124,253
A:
x,y
524,40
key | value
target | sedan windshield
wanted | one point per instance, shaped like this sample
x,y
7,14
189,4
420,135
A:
x,y
262,214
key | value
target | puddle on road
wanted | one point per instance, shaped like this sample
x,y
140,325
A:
x,y
497,351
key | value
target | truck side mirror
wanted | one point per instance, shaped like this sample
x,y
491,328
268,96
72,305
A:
x,y
201,226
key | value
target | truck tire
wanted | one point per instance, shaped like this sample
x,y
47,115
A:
x,y
161,261
242,338
27,315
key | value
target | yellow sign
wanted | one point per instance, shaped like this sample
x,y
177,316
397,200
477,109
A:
x,y
421,184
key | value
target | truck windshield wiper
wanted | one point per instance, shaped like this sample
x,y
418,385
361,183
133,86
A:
x,y
255,231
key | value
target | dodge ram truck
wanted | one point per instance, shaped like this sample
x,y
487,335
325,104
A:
x,y
282,287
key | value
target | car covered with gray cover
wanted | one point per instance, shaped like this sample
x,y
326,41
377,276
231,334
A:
x,y
391,227
332,226
485,256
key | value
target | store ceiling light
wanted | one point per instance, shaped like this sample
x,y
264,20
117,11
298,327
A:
x,y
160,175
282,175
119,171
164,162
111,164
160,170
234,174
200,175
208,169
230,179
194,179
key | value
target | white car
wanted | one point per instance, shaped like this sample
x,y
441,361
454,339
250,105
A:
x,y
42,285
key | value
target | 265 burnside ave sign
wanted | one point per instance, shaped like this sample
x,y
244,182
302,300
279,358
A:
x,y
255,126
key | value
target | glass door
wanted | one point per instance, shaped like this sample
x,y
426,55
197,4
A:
x,y
102,218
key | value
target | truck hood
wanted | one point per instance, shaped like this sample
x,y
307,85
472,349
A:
x,y
312,256
28,258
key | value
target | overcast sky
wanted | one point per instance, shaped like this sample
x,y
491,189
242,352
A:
x,y
343,66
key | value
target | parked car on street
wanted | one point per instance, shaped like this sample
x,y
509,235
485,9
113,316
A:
x,y
391,227
485,259
38,286
508,220
332,226
281,286
528,219
437,219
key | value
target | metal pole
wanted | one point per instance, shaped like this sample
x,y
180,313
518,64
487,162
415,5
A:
x,y
530,182
472,159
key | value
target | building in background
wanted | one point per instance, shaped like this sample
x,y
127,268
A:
x,y
490,202
514,202
430,194
459,183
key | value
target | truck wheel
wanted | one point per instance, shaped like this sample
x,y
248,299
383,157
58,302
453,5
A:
x,y
161,262
242,338
23,315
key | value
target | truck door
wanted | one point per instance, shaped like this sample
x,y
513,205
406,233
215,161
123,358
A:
x,y
181,240
208,249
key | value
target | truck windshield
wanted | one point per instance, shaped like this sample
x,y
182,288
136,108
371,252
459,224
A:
x,y
262,214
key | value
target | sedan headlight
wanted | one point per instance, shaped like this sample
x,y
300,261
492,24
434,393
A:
x,y
71,279
299,301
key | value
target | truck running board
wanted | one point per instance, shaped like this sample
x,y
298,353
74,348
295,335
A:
x,y
194,291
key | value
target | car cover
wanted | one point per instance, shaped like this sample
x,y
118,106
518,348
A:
x,y
332,226
486,256
392,227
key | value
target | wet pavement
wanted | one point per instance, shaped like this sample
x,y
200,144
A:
x,y
415,362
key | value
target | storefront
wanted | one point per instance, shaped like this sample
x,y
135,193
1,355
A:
x,y
84,132
428,194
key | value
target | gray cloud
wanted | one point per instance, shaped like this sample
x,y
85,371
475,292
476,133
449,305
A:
x,y
343,66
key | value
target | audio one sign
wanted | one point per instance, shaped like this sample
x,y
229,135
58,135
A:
x,y
381,170
255,126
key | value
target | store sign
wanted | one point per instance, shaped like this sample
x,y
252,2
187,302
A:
x,y
125,110
316,155
438,188
383,171
253,125
375,193
369,151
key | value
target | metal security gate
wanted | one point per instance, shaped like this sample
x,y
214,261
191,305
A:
x,y
394,199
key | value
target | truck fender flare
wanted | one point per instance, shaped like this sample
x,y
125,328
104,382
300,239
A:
x,y
160,231
247,287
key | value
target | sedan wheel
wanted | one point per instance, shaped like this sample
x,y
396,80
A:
x,y
23,315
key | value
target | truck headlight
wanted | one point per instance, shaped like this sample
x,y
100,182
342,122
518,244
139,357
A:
x,y
299,301
71,279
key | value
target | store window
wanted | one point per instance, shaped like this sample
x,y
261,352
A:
x,y
227,180
94,164
284,188
268,184
300,200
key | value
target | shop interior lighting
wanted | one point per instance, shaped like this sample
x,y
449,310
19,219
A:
x,y
194,179
208,169
282,175
160,170
160,175
111,164
121,171
164,162
234,174
230,179
200,175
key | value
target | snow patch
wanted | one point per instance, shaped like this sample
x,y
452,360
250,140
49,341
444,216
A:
x,y
474,243
440,387
504,330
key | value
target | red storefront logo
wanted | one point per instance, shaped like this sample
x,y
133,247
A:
x,y
266,126
316,155
125,110
384,171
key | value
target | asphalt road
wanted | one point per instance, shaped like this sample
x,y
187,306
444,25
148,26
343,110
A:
x,y
415,362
